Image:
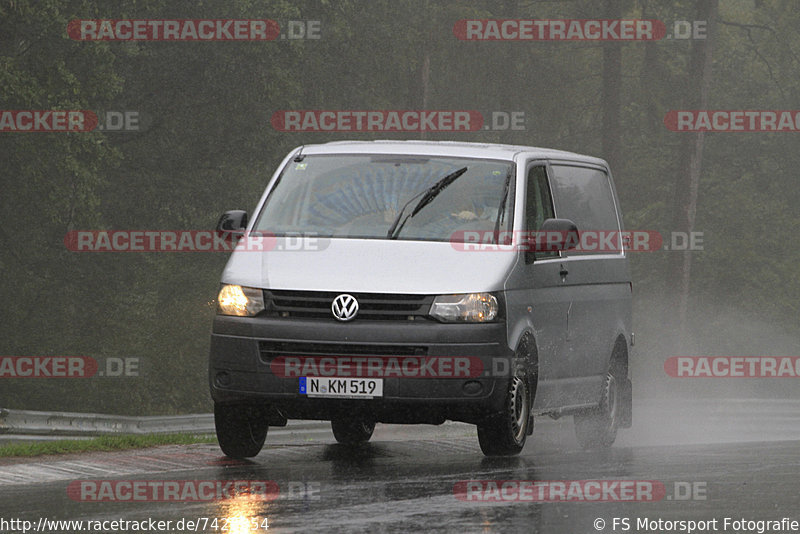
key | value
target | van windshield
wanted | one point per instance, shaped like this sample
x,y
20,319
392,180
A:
x,y
362,196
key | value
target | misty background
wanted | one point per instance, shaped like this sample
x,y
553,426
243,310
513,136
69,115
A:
x,y
205,145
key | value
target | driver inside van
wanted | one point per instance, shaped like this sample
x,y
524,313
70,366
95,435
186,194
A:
x,y
473,213
472,205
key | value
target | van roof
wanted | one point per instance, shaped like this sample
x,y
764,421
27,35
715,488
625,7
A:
x,y
446,148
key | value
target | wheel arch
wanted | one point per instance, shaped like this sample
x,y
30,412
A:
x,y
526,344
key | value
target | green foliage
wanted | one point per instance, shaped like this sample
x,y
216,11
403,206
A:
x,y
102,443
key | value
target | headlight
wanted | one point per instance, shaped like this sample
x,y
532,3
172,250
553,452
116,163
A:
x,y
469,308
241,301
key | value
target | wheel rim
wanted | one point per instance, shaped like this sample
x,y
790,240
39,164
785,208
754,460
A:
x,y
611,399
366,427
518,408
255,436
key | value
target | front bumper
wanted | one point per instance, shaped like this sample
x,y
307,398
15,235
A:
x,y
240,368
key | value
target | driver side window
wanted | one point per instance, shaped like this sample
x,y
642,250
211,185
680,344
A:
x,y
538,208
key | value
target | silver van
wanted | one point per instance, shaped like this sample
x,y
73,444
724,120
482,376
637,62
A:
x,y
419,282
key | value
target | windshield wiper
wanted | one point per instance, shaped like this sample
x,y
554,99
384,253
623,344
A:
x,y
427,197
501,210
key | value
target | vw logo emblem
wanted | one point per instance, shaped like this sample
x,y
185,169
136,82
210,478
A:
x,y
345,307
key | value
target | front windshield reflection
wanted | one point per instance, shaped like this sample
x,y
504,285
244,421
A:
x,y
361,196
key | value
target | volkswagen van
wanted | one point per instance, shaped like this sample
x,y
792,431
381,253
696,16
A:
x,y
409,282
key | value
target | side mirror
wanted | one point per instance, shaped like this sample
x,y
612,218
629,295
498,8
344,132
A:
x,y
557,234
233,222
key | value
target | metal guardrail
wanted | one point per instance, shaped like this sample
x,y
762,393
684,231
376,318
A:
x,y
32,423
90,424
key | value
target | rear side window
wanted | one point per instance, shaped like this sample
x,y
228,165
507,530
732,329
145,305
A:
x,y
584,195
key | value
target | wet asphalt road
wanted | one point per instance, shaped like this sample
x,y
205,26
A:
x,y
734,460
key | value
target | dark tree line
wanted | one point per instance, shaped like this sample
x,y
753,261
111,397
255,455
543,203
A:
x,y
205,145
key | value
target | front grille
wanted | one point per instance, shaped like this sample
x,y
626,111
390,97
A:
x,y
270,350
371,306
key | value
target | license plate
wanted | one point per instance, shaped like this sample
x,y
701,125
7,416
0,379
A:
x,y
342,388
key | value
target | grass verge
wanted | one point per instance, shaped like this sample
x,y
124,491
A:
x,y
101,443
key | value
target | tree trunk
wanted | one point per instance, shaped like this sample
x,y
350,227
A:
x,y
687,182
612,86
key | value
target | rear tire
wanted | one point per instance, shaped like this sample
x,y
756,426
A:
x,y
352,431
241,429
504,434
598,430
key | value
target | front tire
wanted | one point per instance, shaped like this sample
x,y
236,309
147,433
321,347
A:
x,y
504,434
352,431
241,429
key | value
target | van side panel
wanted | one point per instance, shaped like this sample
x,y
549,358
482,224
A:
x,y
596,283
